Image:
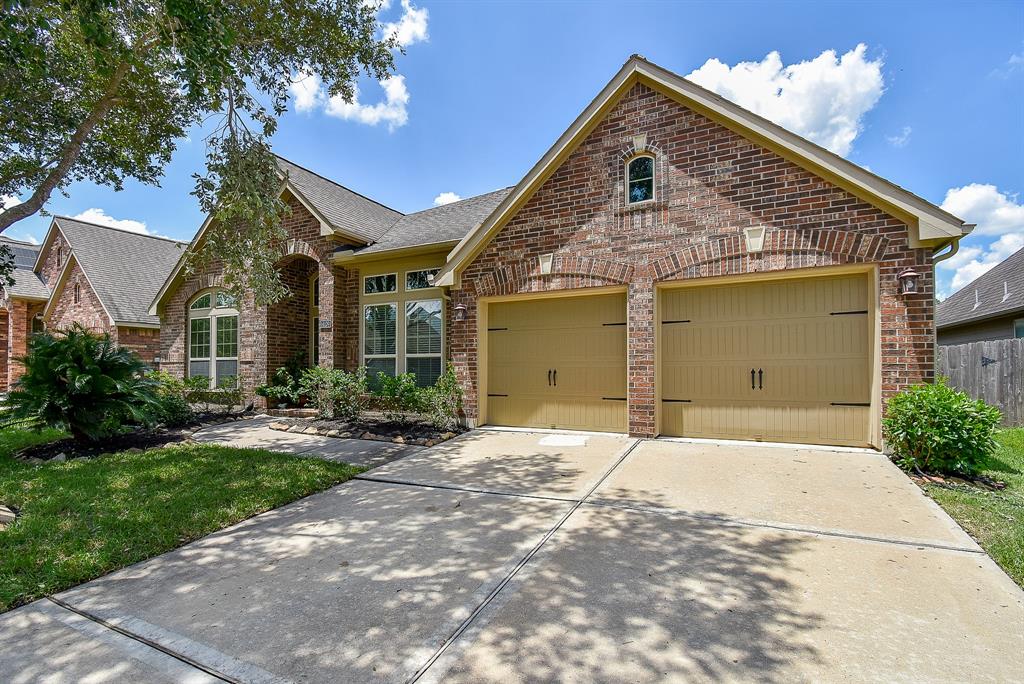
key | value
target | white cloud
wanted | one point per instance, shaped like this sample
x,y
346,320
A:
x,y
8,201
99,216
411,27
1012,66
824,99
392,110
446,198
901,139
306,91
999,232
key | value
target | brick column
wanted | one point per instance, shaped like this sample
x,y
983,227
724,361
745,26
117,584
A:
x,y
19,313
327,313
4,336
640,369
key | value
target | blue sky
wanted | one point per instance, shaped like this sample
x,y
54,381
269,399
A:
x,y
933,101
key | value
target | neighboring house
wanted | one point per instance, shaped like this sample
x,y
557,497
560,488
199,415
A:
x,y
100,277
990,308
673,265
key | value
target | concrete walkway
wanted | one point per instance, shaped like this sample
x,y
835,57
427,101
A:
x,y
256,434
515,557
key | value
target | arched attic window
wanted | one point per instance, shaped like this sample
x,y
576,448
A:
x,y
640,179
213,338
78,293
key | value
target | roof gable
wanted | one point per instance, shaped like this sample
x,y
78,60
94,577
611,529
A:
x,y
929,225
997,292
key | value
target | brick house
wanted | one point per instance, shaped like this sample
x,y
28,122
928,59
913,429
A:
x,y
100,277
673,265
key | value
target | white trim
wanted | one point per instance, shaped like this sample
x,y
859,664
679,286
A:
x,y
933,222
362,334
212,314
654,175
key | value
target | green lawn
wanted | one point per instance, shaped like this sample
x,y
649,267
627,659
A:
x,y
82,519
996,518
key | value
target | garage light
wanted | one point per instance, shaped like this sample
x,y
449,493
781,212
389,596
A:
x,y
908,281
459,312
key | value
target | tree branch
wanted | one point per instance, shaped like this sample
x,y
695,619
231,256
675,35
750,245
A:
x,y
69,154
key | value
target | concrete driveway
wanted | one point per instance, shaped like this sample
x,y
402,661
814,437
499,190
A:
x,y
514,556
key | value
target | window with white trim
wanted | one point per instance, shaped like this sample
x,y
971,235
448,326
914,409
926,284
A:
x,y
379,284
640,179
380,338
420,280
213,338
423,340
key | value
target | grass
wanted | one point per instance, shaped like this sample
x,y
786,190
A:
x,y
84,518
994,518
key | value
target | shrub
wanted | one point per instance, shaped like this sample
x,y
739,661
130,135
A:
x,y
83,383
220,399
937,428
444,400
397,396
284,389
334,392
171,408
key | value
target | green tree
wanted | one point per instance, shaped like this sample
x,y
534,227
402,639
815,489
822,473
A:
x,y
101,90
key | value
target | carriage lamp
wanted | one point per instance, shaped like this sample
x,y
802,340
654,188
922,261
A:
x,y
459,312
908,281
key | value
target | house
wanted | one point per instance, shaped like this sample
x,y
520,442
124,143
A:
x,y
101,277
991,307
673,265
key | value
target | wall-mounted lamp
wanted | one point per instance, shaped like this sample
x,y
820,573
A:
x,y
908,281
459,312
755,238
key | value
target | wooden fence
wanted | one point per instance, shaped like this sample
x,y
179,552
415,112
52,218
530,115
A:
x,y
993,371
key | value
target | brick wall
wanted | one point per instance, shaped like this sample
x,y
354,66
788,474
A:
x,y
4,333
88,312
20,313
143,341
711,183
269,335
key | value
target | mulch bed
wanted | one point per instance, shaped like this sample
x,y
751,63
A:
x,y
131,441
369,427
952,481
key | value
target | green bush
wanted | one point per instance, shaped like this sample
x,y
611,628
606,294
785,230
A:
x,y
284,389
398,396
220,399
334,392
81,382
937,428
171,408
444,400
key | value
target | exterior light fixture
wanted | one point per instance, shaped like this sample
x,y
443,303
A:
x,y
908,281
545,261
754,238
459,312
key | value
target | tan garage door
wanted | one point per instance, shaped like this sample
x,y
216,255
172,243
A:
x,y
782,360
558,363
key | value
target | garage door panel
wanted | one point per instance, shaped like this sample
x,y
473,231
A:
x,y
558,362
808,341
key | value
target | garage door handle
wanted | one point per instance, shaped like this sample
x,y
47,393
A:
x,y
760,373
556,377
752,379
549,377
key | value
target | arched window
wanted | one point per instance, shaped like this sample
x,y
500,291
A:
x,y
78,293
640,179
213,338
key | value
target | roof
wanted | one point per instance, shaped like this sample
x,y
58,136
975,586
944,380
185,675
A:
x,y
346,211
446,223
930,225
997,292
125,269
25,253
27,285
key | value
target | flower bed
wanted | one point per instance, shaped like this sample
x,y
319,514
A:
x,y
368,427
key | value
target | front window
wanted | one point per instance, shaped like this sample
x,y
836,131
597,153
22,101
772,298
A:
x,y
377,284
1018,328
641,180
420,280
380,338
213,338
423,330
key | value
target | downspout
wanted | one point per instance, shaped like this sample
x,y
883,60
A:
x,y
954,245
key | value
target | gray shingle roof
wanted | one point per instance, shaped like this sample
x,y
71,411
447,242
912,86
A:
x,y
344,209
999,291
446,223
27,284
25,253
125,269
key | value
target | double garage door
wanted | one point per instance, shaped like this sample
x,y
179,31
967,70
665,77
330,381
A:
x,y
781,360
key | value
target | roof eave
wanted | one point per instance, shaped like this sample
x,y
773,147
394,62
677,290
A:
x,y
349,256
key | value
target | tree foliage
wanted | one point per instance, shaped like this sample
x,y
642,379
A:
x,y
101,90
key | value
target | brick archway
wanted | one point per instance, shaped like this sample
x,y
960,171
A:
x,y
567,272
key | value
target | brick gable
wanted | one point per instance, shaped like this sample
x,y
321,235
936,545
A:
x,y
711,183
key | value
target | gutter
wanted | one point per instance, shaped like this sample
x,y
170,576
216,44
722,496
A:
x,y
953,244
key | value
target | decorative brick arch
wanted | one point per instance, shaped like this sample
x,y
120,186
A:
x,y
294,247
204,282
782,249
567,272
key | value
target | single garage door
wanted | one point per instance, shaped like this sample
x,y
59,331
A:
x,y
782,360
558,363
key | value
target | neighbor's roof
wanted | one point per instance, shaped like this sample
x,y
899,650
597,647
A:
x,y
446,223
25,253
930,225
27,285
346,211
124,269
996,292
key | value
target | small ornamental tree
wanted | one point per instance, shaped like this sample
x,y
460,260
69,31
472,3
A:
x,y
81,382
937,428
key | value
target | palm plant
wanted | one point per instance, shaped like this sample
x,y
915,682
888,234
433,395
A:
x,y
82,382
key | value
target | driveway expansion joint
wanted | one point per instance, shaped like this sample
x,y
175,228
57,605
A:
x,y
468,490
